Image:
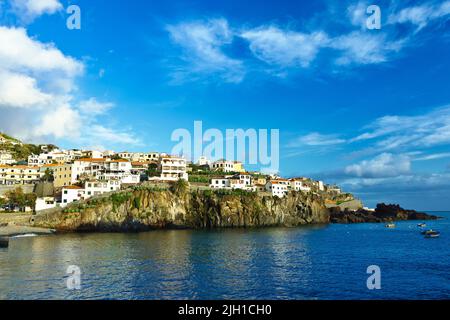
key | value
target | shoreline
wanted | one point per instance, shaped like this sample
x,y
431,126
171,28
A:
x,y
14,230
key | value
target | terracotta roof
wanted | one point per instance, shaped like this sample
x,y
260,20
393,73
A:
x,y
92,159
73,187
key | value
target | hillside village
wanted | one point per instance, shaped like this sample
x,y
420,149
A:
x,y
52,177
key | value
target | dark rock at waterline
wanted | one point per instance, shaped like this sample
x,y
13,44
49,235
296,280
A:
x,y
382,213
4,242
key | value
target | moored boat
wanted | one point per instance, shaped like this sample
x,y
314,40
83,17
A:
x,y
421,225
431,234
390,225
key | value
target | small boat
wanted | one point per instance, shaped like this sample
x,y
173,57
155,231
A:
x,y
430,231
431,234
390,225
421,225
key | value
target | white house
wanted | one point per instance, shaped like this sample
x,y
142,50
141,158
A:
x,y
203,161
299,185
241,181
93,188
223,165
173,168
45,203
220,183
278,187
71,194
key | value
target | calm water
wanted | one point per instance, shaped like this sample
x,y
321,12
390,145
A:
x,y
326,262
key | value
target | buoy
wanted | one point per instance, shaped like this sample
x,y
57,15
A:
x,y
4,242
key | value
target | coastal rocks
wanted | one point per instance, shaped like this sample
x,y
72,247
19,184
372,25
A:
x,y
142,209
382,213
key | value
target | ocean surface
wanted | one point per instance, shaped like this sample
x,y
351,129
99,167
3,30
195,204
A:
x,y
312,262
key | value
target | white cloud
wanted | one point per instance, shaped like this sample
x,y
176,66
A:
x,y
361,47
395,132
37,95
94,107
203,44
421,15
20,91
62,122
384,165
20,52
285,48
433,156
30,9
316,139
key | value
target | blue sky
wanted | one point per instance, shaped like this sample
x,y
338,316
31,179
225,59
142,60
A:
x,y
368,109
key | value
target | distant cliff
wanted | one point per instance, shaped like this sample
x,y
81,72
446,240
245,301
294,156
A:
x,y
383,213
144,209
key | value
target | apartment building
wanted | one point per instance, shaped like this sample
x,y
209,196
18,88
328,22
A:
x,y
173,168
62,174
95,187
11,175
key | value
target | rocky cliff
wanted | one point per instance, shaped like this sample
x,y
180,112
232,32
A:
x,y
143,209
383,213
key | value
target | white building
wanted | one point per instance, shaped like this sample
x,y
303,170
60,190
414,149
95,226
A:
x,y
223,165
241,181
299,185
140,156
173,168
220,183
55,156
71,194
278,187
45,203
6,158
87,167
10,175
94,188
203,161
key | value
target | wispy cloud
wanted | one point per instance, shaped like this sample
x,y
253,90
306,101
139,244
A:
x,y
421,15
202,43
285,48
382,166
316,139
28,10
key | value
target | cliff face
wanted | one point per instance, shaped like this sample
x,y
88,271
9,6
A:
x,y
148,209
382,213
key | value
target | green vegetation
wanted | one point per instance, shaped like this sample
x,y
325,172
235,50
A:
x,y
19,199
120,198
21,151
199,178
48,176
179,187
153,171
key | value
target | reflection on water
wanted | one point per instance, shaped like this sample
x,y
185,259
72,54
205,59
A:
x,y
325,262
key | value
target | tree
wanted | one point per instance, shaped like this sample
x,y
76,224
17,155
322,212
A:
x,y
152,170
48,176
179,186
19,199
